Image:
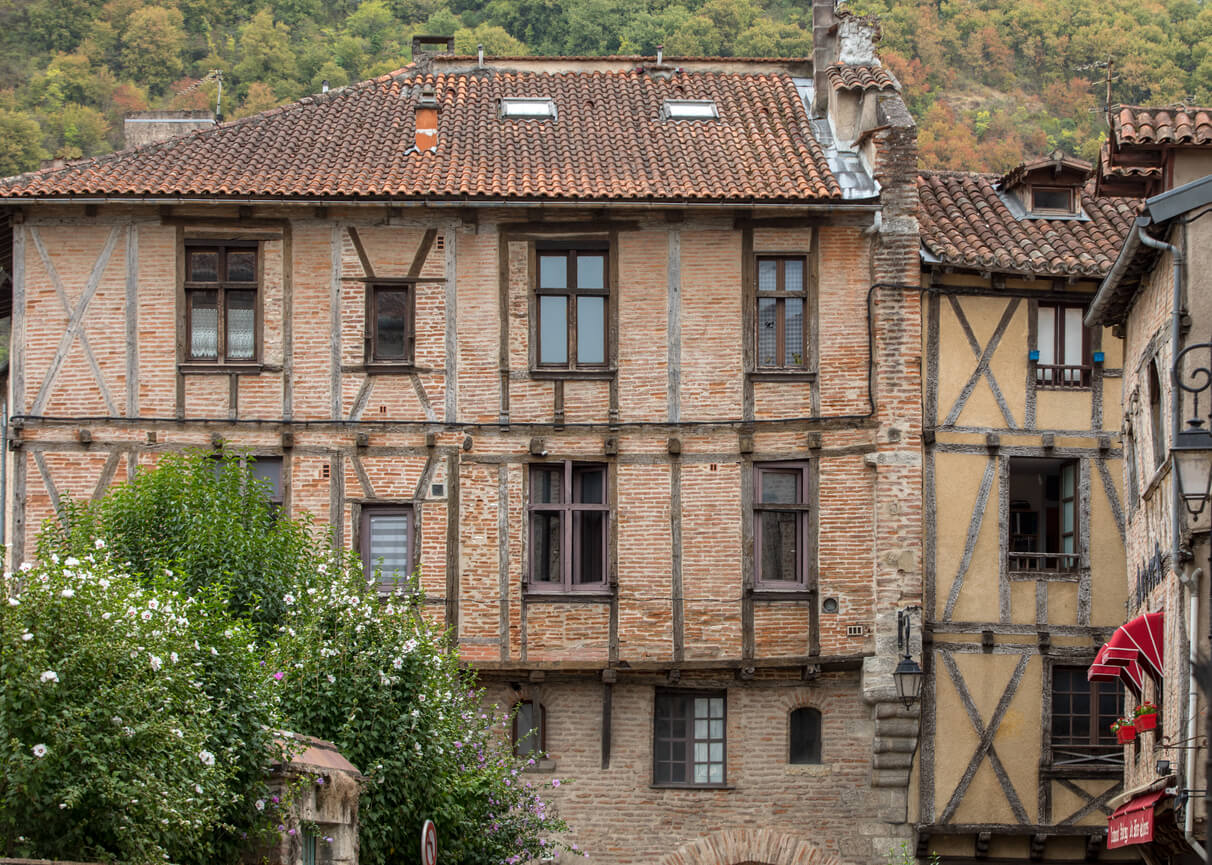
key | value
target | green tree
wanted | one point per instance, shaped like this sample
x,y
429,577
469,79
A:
x,y
152,46
494,39
20,143
266,54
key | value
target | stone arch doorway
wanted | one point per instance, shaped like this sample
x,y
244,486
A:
x,y
749,847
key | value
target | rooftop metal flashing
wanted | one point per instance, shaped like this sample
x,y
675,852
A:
x,y
848,166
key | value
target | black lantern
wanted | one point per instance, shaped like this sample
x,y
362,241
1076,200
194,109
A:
x,y
1192,452
907,675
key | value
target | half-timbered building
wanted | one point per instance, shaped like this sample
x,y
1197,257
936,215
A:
x,y
622,354
1023,515
1158,299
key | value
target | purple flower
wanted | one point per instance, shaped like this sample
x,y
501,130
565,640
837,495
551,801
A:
x,y
320,780
291,832
278,676
555,782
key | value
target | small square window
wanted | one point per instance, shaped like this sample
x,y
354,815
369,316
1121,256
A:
x,y
689,737
1057,200
385,540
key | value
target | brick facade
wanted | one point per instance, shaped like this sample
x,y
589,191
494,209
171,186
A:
x,y
680,417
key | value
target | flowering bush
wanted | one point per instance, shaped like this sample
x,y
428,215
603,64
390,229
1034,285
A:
x,y
321,654
132,717
377,680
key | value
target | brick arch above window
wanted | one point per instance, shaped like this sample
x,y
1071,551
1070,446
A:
x,y
749,847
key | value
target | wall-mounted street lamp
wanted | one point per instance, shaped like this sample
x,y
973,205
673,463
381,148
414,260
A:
x,y
907,675
1192,447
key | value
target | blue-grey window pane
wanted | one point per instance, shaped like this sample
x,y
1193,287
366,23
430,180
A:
x,y
548,554
241,325
203,325
547,485
768,275
269,471
793,325
591,330
553,271
241,265
793,275
553,330
589,486
767,336
780,487
591,271
389,545
203,266
391,318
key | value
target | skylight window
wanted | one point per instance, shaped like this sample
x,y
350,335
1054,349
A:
x,y
513,106
689,109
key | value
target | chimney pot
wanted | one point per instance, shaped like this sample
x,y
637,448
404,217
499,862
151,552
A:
x,y
660,54
427,119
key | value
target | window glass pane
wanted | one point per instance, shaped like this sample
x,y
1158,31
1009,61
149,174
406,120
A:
x,y
716,774
1046,334
717,707
547,485
241,265
269,471
767,335
203,324
591,329
793,275
203,266
589,546
391,320
553,271
700,773
526,723
780,553
241,325
591,271
1073,336
700,707
793,329
780,487
389,545
1048,198
547,552
589,486
717,729
716,752
768,275
700,728
553,329
700,752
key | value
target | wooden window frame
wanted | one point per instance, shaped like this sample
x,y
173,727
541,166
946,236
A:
x,y
1057,375
566,507
365,511
571,292
1070,210
1100,752
689,739
780,295
806,526
541,730
221,287
819,743
410,324
1047,561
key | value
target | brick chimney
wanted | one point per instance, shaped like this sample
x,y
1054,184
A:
x,y
824,51
427,120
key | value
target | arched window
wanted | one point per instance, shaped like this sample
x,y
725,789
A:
x,y
1158,427
529,728
805,739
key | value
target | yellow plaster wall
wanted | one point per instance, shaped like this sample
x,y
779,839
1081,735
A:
x,y
958,480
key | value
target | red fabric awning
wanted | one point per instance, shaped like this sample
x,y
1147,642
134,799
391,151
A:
x,y
1132,822
1135,648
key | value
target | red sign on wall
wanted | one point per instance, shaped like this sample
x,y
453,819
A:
x,y
1132,822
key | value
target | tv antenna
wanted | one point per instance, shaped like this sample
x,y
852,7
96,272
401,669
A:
x,y
215,75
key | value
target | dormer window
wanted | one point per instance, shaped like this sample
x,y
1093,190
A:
x,y
528,107
689,109
1057,200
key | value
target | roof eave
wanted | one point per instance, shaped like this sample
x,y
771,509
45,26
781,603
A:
x,y
1108,308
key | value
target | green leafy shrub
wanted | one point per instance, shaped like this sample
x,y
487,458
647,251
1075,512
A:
x,y
134,720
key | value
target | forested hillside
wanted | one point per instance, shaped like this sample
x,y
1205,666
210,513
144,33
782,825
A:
x,y
989,80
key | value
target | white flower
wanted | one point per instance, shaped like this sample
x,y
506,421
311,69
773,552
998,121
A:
x,y
103,583
50,676
156,663
177,733
115,720
198,789
207,758
99,544
40,751
397,663
25,566
331,678
27,636
260,804
173,656
288,599
106,616
146,615
13,602
68,593
153,604
71,561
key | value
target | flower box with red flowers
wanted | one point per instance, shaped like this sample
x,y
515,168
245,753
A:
x,y
1146,716
1124,730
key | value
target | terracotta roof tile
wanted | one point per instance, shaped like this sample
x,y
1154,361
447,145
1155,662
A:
x,y
608,143
1177,125
964,222
848,77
